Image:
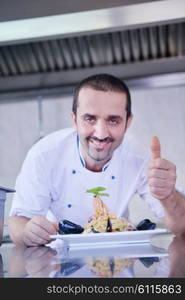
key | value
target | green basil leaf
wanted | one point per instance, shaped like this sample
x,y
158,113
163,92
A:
x,y
93,191
100,188
97,190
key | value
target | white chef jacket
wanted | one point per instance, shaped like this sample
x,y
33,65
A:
x,y
53,178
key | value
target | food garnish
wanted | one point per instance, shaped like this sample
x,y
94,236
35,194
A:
x,y
103,220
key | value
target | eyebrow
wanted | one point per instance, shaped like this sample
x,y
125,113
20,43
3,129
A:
x,y
109,117
87,115
115,117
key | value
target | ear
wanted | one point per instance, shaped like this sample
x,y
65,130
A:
x,y
73,117
129,121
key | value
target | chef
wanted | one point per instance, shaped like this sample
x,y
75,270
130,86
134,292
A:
x,y
60,168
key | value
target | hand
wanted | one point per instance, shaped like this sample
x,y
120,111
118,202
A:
x,y
41,261
162,173
37,231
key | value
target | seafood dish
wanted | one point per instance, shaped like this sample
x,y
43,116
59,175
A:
x,y
104,221
101,221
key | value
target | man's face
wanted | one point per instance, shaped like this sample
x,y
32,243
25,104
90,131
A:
x,y
101,124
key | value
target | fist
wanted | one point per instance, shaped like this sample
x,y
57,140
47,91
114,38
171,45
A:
x,y
38,230
161,174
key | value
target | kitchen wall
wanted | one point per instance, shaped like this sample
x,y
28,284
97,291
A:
x,y
158,111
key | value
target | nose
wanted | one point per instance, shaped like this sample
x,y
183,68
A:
x,y
101,130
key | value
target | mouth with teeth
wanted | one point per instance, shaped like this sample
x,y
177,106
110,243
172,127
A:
x,y
100,145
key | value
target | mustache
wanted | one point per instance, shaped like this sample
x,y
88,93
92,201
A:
x,y
107,139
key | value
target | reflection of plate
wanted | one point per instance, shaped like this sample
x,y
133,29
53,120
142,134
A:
x,y
110,261
120,250
109,238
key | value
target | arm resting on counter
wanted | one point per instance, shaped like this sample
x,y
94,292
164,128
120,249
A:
x,y
16,228
31,232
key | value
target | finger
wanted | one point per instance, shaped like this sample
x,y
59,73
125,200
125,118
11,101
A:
x,y
155,148
40,238
36,252
36,234
158,192
55,225
39,231
156,173
45,224
161,174
36,239
161,164
44,271
28,242
162,183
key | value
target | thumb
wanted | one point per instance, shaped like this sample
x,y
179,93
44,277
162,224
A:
x,y
55,225
155,148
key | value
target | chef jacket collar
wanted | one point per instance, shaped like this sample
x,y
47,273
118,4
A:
x,y
81,156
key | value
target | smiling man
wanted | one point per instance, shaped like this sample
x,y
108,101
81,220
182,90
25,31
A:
x,y
60,168
100,127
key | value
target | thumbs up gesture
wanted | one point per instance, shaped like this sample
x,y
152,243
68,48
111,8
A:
x,y
162,173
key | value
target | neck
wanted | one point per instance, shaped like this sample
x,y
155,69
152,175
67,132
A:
x,y
93,165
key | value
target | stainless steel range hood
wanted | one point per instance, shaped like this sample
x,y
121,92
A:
x,y
130,41
88,22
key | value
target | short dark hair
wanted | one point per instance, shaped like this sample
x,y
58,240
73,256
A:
x,y
103,82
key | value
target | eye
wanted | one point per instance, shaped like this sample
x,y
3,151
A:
x,y
89,119
113,121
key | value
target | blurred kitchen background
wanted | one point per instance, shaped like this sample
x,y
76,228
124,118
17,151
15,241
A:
x,y
46,47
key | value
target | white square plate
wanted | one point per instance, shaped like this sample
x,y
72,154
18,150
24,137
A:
x,y
109,238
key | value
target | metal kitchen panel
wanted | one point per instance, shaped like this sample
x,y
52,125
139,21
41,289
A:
x,y
84,50
30,57
94,21
75,51
144,43
67,53
39,55
108,46
3,67
162,35
9,60
57,53
48,55
116,46
126,46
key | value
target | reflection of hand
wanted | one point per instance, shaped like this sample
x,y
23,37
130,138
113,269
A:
x,y
162,173
176,256
16,262
37,231
40,261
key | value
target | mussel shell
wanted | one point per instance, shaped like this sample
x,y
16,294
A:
x,y
148,261
109,225
94,230
71,266
68,227
146,224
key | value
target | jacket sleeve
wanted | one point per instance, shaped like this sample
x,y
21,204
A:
x,y
32,195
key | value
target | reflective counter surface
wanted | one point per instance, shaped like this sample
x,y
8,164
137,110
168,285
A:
x,y
163,257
